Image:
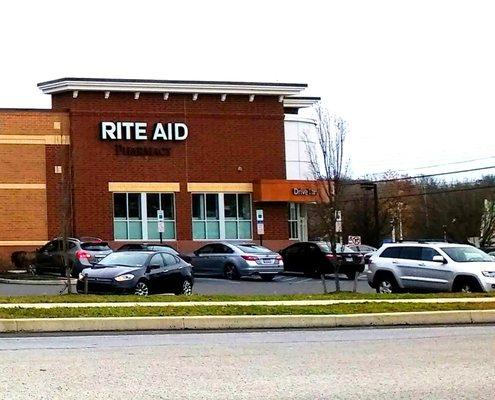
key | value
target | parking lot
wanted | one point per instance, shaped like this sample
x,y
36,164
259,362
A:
x,y
282,284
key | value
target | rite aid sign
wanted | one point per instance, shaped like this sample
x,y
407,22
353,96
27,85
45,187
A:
x,y
172,131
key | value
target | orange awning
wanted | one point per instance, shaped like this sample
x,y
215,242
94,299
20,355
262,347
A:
x,y
290,191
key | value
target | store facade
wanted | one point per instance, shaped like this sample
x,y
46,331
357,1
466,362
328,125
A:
x,y
111,157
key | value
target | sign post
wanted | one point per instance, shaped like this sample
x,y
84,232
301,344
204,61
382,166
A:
x,y
260,226
161,224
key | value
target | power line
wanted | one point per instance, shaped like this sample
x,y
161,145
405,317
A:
x,y
439,165
423,176
423,193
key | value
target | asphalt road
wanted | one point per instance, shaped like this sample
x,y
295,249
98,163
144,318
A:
x,y
406,363
283,284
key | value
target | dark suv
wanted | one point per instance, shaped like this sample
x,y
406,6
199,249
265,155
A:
x,y
80,253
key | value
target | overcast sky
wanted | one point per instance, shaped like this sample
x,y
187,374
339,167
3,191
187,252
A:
x,y
414,79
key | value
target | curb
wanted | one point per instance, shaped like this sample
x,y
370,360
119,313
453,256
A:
x,y
126,304
40,282
244,322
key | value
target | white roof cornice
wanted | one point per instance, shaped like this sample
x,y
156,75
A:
x,y
159,86
300,102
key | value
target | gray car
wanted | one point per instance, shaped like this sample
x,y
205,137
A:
x,y
236,260
420,266
80,253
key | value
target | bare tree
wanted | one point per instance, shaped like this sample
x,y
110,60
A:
x,y
488,223
329,167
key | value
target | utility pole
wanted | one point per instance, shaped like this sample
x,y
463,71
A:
x,y
373,186
392,222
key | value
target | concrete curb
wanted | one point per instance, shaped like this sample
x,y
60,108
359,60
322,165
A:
x,y
32,282
244,321
126,304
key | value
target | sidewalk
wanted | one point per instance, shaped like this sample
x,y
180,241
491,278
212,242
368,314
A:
x,y
247,303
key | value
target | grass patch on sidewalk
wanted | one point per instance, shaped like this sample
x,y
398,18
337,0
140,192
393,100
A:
x,y
140,311
76,298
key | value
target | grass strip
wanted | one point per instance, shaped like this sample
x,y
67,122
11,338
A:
x,y
75,298
140,311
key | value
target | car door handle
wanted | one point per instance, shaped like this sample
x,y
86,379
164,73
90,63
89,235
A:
x,y
421,264
395,262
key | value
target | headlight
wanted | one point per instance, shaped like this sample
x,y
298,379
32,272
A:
x,y
489,274
123,278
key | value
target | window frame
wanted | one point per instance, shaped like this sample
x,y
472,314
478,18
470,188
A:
x,y
144,219
221,216
296,221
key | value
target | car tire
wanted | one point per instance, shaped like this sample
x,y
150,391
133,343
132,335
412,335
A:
x,y
351,275
230,272
466,285
267,278
141,289
386,284
31,269
185,288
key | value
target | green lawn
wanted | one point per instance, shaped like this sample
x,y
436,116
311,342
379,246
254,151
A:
x,y
75,298
140,311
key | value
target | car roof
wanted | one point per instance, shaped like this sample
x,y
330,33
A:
x,y
424,244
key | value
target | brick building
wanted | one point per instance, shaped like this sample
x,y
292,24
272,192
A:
x,y
111,155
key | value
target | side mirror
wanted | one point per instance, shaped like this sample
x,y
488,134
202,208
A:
x,y
154,266
196,253
439,259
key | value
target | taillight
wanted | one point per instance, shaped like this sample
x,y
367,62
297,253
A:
x,y
278,258
250,258
331,256
81,254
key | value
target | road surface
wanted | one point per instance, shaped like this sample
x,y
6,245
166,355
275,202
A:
x,y
411,363
283,284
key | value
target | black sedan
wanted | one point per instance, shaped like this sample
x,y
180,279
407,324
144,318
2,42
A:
x,y
313,258
138,272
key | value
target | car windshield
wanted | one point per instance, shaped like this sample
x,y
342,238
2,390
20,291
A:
x,y
467,254
166,249
126,259
253,248
339,248
99,246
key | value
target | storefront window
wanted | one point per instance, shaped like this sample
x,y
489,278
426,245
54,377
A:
x,y
228,216
136,215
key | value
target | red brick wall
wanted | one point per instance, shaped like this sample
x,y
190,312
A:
x,y
223,136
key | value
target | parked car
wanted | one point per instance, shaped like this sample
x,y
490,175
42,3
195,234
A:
x,y
431,267
236,260
80,253
138,272
152,247
313,258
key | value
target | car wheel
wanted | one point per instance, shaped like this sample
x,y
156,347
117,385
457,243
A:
x,y
185,288
141,289
230,272
267,278
351,275
386,284
31,269
466,286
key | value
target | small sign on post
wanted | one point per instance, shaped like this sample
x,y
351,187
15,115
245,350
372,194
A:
x,y
260,225
355,240
161,223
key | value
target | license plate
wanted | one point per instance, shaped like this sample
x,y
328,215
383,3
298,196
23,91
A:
x,y
267,261
349,259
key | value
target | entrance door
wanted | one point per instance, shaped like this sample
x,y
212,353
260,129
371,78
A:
x,y
298,222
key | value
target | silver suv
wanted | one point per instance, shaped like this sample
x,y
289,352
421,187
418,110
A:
x,y
443,267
